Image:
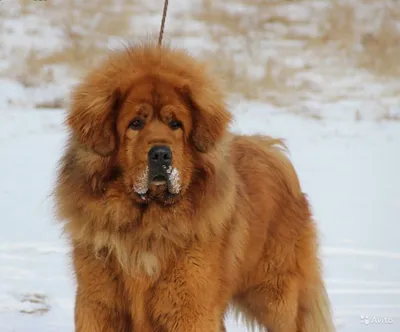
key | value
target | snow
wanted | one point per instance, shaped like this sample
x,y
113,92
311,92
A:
x,y
141,185
175,180
346,153
349,170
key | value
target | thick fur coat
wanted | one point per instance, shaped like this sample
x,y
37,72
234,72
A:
x,y
226,226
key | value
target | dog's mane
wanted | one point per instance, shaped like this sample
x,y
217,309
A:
x,y
90,194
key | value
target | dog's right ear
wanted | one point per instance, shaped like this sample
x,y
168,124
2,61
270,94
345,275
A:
x,y
210,115
92,117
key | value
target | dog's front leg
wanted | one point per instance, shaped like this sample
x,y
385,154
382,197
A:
x,y
188,298
99,302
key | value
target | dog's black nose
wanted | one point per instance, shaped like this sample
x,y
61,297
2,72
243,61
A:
x,y
160,156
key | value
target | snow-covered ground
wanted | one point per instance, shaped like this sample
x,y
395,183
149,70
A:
x,y
347,156
349,169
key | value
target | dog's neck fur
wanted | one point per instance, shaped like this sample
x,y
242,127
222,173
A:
x,y
139,237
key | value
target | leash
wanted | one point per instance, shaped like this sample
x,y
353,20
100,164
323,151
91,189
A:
x,y
164,15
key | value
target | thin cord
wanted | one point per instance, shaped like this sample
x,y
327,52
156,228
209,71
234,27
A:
x,y
160,36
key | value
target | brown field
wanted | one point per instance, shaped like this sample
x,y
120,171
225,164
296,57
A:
x,y
281,51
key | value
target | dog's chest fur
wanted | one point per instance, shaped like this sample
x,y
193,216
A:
x,y
137,257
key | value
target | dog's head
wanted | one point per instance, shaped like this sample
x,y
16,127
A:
x,y
150,112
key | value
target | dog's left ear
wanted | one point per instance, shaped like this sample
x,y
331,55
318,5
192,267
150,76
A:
x,y
210,116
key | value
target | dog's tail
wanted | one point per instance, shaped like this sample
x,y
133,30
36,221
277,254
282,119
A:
x,y
316,314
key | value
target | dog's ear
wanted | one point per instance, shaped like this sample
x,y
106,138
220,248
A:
x,y
92,117
210,116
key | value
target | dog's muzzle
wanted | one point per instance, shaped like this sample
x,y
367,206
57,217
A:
x,y
159,178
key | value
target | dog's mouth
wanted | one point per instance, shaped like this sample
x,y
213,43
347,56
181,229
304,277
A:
x,y
159,187
159,180
160,184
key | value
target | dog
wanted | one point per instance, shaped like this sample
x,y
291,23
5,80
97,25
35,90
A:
x,y
173,220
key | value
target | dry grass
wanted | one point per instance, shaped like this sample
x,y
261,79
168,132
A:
x,y
255,44
372,39
266,37
339,25
238,38
51,104
86,29
381,50
38,304
33,71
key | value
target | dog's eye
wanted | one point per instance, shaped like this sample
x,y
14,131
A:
x,y
174,124
136,124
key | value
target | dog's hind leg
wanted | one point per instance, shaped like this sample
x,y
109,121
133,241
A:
x,y
314,310
273,306
280,306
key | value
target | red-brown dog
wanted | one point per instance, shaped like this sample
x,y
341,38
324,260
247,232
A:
x,y
172,218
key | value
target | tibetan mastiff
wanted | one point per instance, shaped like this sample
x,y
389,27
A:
x,y
173,220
